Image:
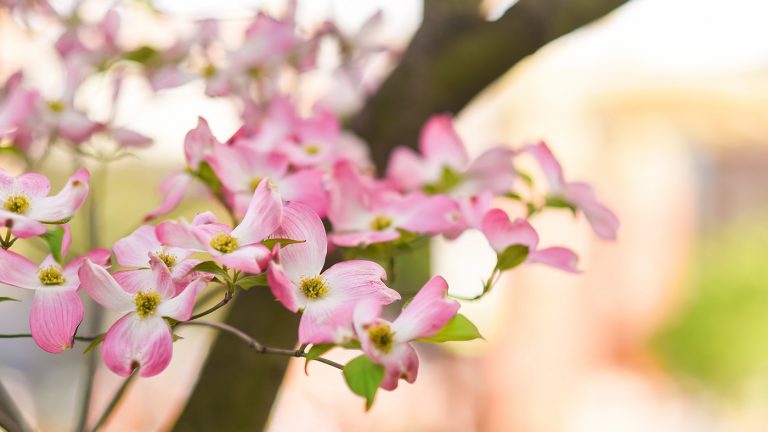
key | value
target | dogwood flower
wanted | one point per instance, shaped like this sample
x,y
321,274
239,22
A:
x,y
141,338
388,343
581,195
502,233
327,298
25,204
237,248
56,308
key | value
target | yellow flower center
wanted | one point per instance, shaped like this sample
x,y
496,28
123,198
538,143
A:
x,y
168,259
17,204
146,303
314,287
56,106
382,337
51,275
312,149
224,243
255,183
380,223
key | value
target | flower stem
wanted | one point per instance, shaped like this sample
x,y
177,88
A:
x,y
29,335
227,297
115,400
256,345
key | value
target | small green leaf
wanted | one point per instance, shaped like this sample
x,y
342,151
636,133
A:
x,y
364,378
141,55
208,176
96,342
54,238
315,352
176,337
525,177
3,299
459,328
270,243
512,257
210,267
249,282
557,201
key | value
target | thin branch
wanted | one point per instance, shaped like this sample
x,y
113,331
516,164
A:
x,y
227,297
115,400
256,345
29,335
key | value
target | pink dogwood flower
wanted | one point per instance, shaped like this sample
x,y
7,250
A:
x,y
26,204
56,308
364,212
502,233
237,248
581,195
388,343
141,338
327,298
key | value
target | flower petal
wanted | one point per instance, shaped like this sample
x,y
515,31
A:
x,y
133,342
604,222
549,164
103,288
282,288
54,318
426,214
163,280
407,170
264,215
180,307
33,185
401,362
439,143
359,279
427,313
64,204
250,259
362,238
302,259
502,233
21,226
558,257
306,186
18,271
197,143
131,251
172,189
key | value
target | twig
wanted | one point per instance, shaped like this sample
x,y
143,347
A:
x,y
29,335
227,297
256,345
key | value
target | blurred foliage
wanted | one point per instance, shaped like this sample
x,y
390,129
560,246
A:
x,y
720,337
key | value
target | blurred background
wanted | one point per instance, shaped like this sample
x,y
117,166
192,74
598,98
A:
x,y
661,104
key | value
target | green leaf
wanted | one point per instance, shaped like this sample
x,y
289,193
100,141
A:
x,y
208,176
249,282
512,257
557,201
459,328
3,299
54,238
210,267
141,55
270,243
99,339
364,378
176,337
315,352
525,177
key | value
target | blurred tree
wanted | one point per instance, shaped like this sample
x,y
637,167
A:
x,y
452,57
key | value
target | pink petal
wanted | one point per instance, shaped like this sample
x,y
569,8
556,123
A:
x,y
180,307
493,171
197,143
21,226
33,185
302,259
558,257
103,288
63,205
440,144
426,214
131,251
281,286
100,257
132,342
54,318
264,215
326,322
238,166
18,271
18,104
66,240
128,138
407,170
362,238
359,279
604,222
551,167
427,313
350,198
163,280
502,233
75,126
180,234
401,362
133,281
250,259
173,189
306,186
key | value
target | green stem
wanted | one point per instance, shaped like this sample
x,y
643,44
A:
x,y
115,400
29,335
227,297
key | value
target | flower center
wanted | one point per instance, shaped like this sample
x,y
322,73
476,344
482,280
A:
x,y
312,149
168,259
146,303
314,287
382,337
17,204
254,183
380,223
51,276
56,106
224,243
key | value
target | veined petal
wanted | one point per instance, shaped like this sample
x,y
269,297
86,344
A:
x,y
282,287
63,205
358,279
18,271
439,143
33,185
558,257
264,215
502,233
132,342
302,259
180,307
326,321
54,318
362,238
427,313
133,281
21,226
103,288
179,234
251,259
131,251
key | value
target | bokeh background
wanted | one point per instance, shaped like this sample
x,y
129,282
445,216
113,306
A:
x,y
662,105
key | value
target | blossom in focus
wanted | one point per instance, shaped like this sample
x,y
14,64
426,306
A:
x,y
26,204
388,343
327,298
237,248
141,338
502,233
56,307
580,195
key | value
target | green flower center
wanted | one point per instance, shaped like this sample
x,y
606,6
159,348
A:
x,y
224,243
17,204
314,287
312,149
146,303
51,275
380,223
168,259
255,183
382,337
